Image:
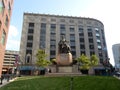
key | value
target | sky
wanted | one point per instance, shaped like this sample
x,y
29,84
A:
x,y
107,11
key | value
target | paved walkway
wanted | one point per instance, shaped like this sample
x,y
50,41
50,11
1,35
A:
x,y
5,82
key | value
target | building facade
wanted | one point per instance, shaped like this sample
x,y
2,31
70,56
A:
x,y
5,14
116,54
42,31
11,61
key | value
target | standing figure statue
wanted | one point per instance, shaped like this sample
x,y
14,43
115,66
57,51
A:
x,y
63,46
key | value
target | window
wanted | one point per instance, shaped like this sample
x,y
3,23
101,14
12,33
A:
x,y
52,52
89,28
30,37
90,34
6,21
72,36
2,6
62,26
53,42
3,38
72,29
90,40
9,8
72,43
53,20
82,46
62,29
81,34
43,35
28,51
99,47
82,40
62,20
91,46
52,47
97,34
43,19
30,31
0,24
71,21
31,24
53,26
29,44
80,30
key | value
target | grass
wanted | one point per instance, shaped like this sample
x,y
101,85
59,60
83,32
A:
x,y
63,83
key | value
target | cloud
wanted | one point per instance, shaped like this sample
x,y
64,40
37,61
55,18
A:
x,y
12,41
13,45
13,32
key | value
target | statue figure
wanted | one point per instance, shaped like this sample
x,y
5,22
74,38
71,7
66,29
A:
x,y
63,46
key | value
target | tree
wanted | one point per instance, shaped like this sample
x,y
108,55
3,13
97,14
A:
x,y
41,58
53,61
84,61
93,60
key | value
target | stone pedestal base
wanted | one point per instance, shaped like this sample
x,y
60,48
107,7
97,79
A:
x,y
65,69
64,59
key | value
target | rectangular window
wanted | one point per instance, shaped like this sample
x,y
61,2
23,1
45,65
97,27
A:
x,y
72,36
53,26
6,21
82,46
43,36
0,24
31,24
62,26
3,37
43,25
2,6
9,8
29,44
52,52
28,51
30,37
72,29
30,31
91,46
90,34
82,40
90,40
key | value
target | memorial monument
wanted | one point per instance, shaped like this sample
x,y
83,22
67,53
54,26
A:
x,y
64,57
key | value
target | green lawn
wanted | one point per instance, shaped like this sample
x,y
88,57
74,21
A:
x,y
63,83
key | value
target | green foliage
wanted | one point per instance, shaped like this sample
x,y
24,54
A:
x,y
54,61
41,58
86,63
94,60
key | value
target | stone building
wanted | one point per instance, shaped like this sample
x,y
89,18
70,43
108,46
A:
x,y
44,31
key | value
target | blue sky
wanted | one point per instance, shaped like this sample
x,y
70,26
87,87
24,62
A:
x,y
106,11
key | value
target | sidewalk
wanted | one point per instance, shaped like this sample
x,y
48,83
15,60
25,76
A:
x,y
5,82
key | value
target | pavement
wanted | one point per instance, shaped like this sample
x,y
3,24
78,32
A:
x,y
5,82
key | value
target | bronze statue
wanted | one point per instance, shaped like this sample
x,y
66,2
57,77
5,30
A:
x,y
63,46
